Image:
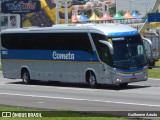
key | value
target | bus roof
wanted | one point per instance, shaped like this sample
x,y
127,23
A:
x,y
110,29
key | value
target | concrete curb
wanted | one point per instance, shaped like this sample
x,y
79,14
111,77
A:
x,y
154,78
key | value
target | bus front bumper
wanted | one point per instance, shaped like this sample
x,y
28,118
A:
x,y
126,77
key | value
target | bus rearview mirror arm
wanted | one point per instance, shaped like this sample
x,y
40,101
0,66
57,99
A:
x,y
110,46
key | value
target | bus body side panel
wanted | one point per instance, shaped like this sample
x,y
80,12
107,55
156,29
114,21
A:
x,y
7,69
91,67
73,71
19,65
12,68
105,74
60,71
49,72
38,70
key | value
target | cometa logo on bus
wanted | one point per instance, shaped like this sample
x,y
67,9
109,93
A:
x,y
61,56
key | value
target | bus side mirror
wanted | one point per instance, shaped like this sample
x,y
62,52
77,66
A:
x,y
150,44
110,46
148,41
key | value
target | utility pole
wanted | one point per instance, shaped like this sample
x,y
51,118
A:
x,y
66,11
146,5
130,5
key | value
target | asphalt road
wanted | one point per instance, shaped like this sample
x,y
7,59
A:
x,y
141,96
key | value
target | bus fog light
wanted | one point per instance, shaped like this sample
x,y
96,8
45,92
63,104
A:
x,y
145,77
118,80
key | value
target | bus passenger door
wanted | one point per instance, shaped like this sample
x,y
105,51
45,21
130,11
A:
x,y
105,74
105,67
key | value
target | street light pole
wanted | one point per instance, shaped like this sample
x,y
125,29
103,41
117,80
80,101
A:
x,y
130,5
57,12
117,6
146,4
66,11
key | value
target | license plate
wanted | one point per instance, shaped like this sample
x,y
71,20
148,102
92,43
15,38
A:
x,y
133,78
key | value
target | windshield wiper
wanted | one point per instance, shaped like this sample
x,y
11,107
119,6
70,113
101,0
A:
x,y
121,66
138,61
141,64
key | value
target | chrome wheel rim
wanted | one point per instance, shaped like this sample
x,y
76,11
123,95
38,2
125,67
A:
x,y
25,77
92,80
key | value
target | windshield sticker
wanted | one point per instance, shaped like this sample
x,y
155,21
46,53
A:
x,y
121,38
109,40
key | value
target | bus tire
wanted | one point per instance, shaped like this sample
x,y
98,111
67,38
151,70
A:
x,y
91,79
26,77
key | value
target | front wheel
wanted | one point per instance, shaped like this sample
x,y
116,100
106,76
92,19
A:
x,y
26,77
92,80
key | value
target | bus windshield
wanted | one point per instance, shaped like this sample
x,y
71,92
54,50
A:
x,y
128,52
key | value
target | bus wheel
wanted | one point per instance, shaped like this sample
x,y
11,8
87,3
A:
x,y
123,85
92,80
26,77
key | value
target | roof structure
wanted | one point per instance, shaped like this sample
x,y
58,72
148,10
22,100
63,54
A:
x,y
94,17
106,16
83,18
74,18
127,15
136,15
118,16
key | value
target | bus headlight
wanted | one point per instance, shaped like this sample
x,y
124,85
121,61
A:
x,y
118,80
145,77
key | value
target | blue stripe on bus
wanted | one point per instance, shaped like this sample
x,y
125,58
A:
x,y
118,34
130,70
61,55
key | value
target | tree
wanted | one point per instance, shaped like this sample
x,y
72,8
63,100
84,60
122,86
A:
x,y
137,11
112,11
122,12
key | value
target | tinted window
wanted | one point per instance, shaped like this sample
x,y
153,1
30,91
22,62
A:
x,y
103,50
47,41
128,52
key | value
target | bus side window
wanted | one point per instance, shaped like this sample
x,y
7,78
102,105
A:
x,y
140,49
71,41
81,40
105,54
103,50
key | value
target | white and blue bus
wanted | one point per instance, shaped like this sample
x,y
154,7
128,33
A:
x,y
93,53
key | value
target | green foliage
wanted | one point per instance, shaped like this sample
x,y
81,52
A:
x,y
88,13
154,73
137,11
122,12
112,11
158,63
